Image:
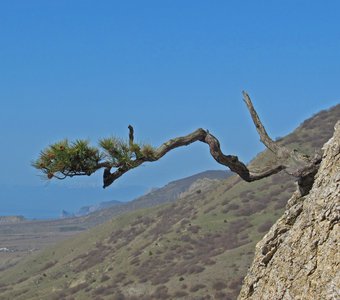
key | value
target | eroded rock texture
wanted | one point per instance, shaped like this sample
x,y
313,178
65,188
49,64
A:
x,y
299,258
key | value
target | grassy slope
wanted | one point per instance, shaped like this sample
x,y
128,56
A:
x,y
27,237
196,248
165,194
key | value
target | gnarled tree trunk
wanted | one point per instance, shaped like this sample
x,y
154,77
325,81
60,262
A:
x,y
293,162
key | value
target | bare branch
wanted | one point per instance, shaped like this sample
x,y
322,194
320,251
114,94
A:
x,y
131,135
230,161
158,153
279,151
293,162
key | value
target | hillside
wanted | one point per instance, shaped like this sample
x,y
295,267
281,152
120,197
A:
x,y
169,193
24,237
156,196
198,247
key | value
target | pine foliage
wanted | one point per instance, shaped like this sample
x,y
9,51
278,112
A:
x,y
64,159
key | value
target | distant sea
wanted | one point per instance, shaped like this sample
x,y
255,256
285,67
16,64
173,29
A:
x,y
46,202
32,214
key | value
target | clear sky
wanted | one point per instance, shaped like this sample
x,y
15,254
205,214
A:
x,y
88,69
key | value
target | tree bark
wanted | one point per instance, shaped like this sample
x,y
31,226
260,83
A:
x,y
291,161
230,161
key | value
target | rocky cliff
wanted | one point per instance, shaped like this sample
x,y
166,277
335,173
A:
x,y
299,257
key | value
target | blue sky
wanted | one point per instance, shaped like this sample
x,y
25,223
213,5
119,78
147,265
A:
x,y
88,69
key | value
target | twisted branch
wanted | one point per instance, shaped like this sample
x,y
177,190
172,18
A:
x,y
81,159
293,162
230,161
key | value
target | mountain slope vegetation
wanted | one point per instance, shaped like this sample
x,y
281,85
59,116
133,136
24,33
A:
x,y
23,237
198,247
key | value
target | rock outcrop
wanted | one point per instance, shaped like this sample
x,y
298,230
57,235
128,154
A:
x,y
299,257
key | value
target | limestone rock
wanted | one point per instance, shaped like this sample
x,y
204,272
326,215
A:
x,y
299,258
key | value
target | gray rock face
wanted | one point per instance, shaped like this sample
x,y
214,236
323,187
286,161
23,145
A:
x,y
299,258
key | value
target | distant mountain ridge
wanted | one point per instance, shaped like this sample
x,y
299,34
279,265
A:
x,y
85,210
168,193
174,189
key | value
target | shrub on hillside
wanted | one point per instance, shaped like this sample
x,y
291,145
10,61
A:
x,y
197,287
236,284
195,269
161,293
104,278
219,285
265,226
180,294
